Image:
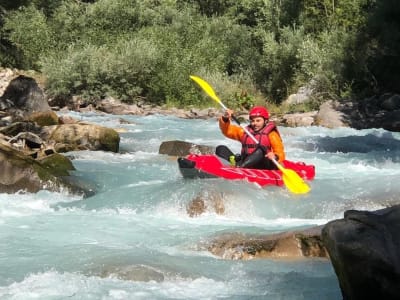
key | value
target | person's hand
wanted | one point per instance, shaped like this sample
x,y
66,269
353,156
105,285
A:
x,y
227,115
270,155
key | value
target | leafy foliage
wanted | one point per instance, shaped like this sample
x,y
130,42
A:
x,y
251,50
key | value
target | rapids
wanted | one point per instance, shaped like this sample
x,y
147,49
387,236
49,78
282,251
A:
x,y
135,240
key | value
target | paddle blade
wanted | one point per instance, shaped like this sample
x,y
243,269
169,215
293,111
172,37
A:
x,y
206,87
294,182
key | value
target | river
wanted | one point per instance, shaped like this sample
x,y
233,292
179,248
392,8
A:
x,y
135,240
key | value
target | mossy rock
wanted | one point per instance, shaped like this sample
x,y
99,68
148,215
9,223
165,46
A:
x,y
57,164
20,172
84,137
44,118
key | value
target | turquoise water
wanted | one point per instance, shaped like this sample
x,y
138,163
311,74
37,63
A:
x,y
135,240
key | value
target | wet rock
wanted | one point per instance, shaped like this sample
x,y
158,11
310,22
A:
x,y
206,201
134,273
288,245
57,164
20,172
365,252
181,148
81,136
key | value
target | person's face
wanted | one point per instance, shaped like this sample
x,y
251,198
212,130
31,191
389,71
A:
x,y
257,123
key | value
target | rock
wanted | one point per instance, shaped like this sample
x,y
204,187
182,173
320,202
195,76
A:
x,y
113,106
181,148
18,127
26,139
329,115
296,244
81,136
134,273
57,164
391,103
22,173
67,120
299,119
365,252
44,118
302,95
6,75
23,97
391,121
206,201
204,113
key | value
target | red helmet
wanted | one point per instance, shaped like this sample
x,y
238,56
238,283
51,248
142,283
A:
x,y
259,111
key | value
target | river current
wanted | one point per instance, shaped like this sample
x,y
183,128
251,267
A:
x,y
135,240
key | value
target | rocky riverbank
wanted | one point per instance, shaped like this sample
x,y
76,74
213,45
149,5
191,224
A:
x,y
32,138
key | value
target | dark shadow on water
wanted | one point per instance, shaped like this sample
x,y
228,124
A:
x,y
358,144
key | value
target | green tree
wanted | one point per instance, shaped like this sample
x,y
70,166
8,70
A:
x,y
28,31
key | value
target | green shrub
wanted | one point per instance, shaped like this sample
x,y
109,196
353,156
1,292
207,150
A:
x,y
122,70
27,30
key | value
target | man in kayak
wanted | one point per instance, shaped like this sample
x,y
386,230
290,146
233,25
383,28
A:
x,y
254,155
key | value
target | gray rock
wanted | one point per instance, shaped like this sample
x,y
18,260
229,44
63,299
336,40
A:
x,y
23,97
134,273
299,119
392,103
329,115
364,248
181,148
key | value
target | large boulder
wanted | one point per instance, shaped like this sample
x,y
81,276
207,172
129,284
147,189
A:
x,y
365,251
329,115
81,136
23,99
181,148
20,172
294,244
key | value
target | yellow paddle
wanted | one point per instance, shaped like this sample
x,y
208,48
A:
x,y
291,179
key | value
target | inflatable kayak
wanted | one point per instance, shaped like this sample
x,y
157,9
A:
x,y
211,166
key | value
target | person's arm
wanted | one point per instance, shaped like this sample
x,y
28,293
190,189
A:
x,y
277,145
230,130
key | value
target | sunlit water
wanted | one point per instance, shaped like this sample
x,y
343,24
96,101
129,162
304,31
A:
x,y
135,240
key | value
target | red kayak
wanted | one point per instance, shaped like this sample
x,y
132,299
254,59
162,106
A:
x,y
211,166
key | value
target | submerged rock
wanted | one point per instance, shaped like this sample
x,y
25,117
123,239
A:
x,y
295,244
206,201
134,273
365,252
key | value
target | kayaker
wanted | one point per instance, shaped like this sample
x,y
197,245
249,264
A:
x,y
253,155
